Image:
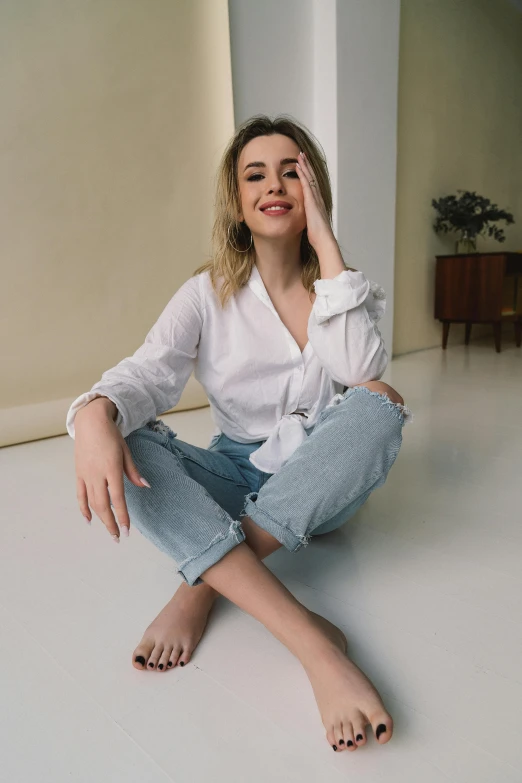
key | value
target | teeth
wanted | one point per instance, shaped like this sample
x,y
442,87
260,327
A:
x,y
273,209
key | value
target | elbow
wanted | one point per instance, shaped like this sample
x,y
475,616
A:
x,y
372,370
382,365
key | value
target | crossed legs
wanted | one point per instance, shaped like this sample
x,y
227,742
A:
x,y
174,634
347,700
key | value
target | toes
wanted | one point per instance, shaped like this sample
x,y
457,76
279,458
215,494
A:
x,y
158,657
383,728
141,655
174,656
333,739
154,657
359,733
339,739
164,660
347,734
184,658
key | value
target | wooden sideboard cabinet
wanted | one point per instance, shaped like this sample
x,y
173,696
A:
x,y
472,289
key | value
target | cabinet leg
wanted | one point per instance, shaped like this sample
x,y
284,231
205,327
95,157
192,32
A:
x,y
468,332
518,332
445,332
497,332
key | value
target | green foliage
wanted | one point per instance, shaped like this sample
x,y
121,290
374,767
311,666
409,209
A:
x,y
470,213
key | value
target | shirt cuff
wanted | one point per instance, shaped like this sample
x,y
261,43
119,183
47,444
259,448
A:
x,y
344,292
81,402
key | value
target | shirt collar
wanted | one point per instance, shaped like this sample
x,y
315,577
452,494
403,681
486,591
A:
x,y
255,282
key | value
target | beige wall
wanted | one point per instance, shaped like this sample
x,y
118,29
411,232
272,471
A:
x,y
460,127
114,118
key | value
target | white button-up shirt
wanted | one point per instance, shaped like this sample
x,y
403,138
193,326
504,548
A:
x,y
259,384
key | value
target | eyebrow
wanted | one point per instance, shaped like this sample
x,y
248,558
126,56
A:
x,y
260,164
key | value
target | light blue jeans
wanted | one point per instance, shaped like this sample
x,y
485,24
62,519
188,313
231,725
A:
x,y
198,496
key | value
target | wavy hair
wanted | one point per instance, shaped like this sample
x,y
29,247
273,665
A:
x,y
234,266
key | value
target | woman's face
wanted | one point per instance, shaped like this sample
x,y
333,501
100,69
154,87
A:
x,y
273,178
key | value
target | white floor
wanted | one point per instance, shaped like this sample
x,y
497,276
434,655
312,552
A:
x,y
426,582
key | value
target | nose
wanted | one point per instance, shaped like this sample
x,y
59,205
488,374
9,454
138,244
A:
x,y
277,183
276,187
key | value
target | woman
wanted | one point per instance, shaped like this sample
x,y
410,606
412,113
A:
x,y
282,336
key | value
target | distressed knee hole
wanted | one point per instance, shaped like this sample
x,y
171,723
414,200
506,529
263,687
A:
x,y
403,412
159,426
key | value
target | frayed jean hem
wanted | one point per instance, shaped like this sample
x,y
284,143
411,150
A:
x,y
283,534
192,568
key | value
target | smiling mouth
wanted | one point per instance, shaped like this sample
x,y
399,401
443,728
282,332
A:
x,y
276,210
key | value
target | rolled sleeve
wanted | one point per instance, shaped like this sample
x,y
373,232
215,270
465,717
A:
x,y
345,292
151,381
342,329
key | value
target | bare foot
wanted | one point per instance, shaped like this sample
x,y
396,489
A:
x,y
174,634
346,698
335,633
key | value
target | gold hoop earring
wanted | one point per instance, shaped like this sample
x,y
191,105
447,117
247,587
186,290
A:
x,y
235,248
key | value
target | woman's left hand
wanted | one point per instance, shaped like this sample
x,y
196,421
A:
x,y
317,223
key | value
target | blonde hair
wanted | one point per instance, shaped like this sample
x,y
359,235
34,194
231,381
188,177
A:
x,y
234,266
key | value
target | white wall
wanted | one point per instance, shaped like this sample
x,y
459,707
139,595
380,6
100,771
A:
x,y
367,97
333,65
108,150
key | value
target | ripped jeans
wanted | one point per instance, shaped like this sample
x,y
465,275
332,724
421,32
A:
x,y
198,496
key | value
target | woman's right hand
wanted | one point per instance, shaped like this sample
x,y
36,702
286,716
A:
x,y
102,456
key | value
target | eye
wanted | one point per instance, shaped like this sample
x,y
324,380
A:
x,y
254,177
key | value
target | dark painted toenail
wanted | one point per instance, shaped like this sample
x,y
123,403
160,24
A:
x,y
341,742
359,737
140,659
160,666
151,664
349,743
169,663
381,728
334,747
181,663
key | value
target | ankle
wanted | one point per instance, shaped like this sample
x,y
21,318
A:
x,y
202,592
313,644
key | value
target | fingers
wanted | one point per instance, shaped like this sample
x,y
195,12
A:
x,y
309,175
305,166
81,494
118,501
304,169
100,502
98,498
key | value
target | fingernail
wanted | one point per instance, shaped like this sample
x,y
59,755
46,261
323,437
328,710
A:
x,y
116,538
349,744
359,737
381,728
144,481
341,742
169,663
182,663
334,747
125,530
160,666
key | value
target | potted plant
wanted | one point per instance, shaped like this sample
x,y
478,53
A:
x,y
471,215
